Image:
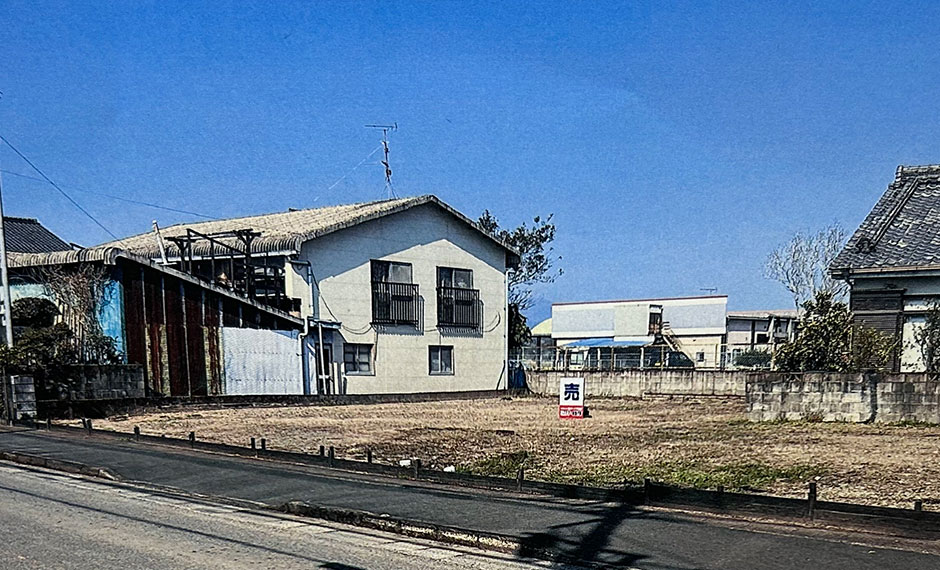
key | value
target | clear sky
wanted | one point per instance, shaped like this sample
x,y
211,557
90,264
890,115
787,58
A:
x,y
675,143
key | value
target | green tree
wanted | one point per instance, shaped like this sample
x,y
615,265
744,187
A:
x,y
828,341
536,266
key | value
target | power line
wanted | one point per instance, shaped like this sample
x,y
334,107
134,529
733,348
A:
x,y
118,198
61,191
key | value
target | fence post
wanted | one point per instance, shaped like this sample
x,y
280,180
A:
x,y
417,465
192,439
332,455
88,424
136,433
811,501
520,478
264,444
322,451
918,506
368,456
48,423
253,443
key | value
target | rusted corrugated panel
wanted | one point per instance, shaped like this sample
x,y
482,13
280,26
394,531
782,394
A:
x,y
195,341
213,346
176,338
134,323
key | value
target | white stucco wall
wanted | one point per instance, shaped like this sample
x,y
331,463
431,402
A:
x,y
428,238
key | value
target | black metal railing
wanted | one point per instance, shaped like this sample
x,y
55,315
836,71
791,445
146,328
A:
x,y
459,307
394,303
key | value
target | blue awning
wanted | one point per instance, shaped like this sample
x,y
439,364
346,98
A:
x,y
604,343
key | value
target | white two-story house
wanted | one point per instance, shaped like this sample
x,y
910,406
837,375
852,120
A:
x,y
398,296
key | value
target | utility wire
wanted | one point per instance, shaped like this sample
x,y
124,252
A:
x,y
61,191
118,198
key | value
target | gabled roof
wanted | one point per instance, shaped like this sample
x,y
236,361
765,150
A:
x,y
27,235
902,231
286,231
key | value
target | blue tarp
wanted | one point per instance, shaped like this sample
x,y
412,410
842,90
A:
x,y
605,343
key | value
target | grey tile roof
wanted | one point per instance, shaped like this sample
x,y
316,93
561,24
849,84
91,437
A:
x,y
286,231
27,235
902,230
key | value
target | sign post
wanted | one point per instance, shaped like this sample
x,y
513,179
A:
x,y
571,398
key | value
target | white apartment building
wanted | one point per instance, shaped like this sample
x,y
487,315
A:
x,y
398,296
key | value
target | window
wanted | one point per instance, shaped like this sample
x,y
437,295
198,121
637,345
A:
x,y
762,338
441,359
456,278
700,357
391,272
656,320
357,358
394,297
458,304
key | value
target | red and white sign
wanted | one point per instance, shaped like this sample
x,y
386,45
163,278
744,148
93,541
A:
x,y
571,398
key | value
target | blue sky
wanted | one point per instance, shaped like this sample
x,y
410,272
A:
x,y
675,143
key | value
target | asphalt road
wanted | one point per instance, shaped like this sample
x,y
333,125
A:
x,y
616,534
50,521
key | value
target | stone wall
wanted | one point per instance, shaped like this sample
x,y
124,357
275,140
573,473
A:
x,y
105,382
640,383
882,398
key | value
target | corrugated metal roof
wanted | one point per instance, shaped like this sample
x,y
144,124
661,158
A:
x,y
27,235
286,231
903,229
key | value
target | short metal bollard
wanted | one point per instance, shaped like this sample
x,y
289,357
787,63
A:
x,y
136,433
322,451
332,455
918,506
253,443
192,439
263,444
417,466
520,478
89,425
368,456
811,501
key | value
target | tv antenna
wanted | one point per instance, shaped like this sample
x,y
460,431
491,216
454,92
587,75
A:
x,y
389,191
709,290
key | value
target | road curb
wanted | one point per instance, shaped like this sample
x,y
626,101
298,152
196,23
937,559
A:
x,y
438,533
60,465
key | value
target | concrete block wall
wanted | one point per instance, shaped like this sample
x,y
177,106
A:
x,y
640,383
882,398
106,382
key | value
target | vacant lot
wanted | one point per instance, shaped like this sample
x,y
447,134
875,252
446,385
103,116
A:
x,y
702,443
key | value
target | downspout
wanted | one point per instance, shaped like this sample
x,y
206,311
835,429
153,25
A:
x,y
305,365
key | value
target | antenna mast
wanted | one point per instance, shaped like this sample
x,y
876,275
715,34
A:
x,y
389,191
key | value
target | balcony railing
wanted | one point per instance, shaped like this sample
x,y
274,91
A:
x,y
459,308
394,303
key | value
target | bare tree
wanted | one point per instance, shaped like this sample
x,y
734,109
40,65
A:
x,y
80,292
802,264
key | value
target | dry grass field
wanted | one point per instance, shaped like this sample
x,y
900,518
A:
x,y
700,443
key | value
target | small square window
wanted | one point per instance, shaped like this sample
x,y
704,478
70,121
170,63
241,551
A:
x,y
441,359
700,357
357,358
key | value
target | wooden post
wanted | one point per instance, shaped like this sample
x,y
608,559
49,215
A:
x,y
369,456
136,433
322,451
264,444
332,455
253,443
520,478
417,466
192,439
647,490
918,506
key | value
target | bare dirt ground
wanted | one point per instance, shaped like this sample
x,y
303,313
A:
x,y
701,443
